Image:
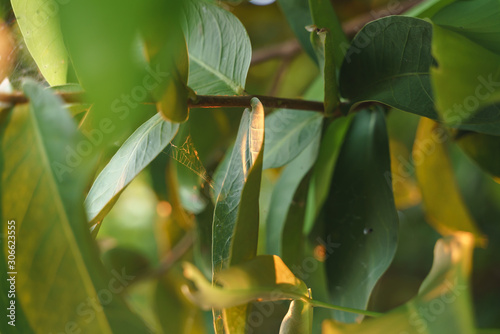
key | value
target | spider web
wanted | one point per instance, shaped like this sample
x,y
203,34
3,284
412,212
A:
x,y
187,155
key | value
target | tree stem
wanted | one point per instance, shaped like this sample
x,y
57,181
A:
x,y
317,303
200,101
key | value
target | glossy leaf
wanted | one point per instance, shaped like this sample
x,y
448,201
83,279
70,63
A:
x,y
219,49
436,179
482,149
39,24
299,17
265,278
134,155
360,214
396,74
445,289
58,254
324,167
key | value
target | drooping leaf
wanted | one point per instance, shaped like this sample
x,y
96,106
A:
x,y
219,49
236,215
360,214
482,149
443,304
396,74
134,155
321,177
299,17
39,24
436,179
265,278
58,254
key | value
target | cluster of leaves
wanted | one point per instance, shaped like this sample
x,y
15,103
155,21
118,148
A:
x,y
330,230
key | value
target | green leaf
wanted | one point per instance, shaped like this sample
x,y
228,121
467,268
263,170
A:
x,y
461,85
264,278
105,46
396,74
288,133
235,226
58,265
436,179
228,216
319,187
219,49
482,149
132,157
39,24
443,304
360,214
282,197
299,17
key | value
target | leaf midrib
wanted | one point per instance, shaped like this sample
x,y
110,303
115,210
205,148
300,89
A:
x,y
235,87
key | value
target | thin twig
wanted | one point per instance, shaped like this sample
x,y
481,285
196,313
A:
x,y
200,101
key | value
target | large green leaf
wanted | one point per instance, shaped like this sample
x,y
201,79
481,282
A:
x,y
395,73
134,155
39,24
427,8
107,52
436,179
443,304
299,17
321,177
235,226
219,49
360,214
61,284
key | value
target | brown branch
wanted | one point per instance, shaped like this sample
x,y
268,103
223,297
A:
x,y
200,101
287,49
